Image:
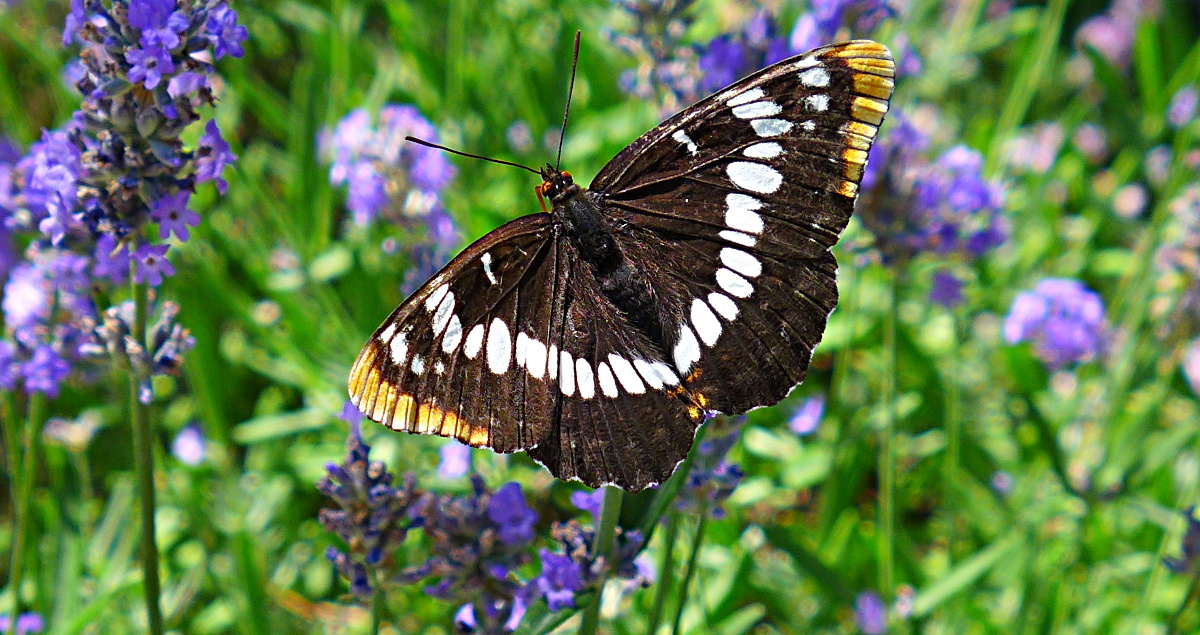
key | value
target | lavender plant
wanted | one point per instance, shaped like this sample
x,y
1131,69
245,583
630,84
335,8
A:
x,y
82,201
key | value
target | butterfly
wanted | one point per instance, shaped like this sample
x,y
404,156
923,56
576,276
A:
x,y
694,276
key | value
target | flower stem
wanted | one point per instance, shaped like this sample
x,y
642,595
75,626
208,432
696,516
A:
x,y
697,542
885,549
1193,593
610,515
666,572
22,487
144,458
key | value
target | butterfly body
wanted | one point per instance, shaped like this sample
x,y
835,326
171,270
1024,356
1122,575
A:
x,y
694,276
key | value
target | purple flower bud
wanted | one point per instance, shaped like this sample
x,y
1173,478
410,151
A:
x,y
808,416
214,156
225,33
45,371
149,64
560,580
870,613
590,502
1182,109
188,445
946,289
455,460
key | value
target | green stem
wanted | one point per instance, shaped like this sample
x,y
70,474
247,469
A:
x,y
23,488
954,410
666,573
885,548
610,515
697,542
377,607
1193,593
143,452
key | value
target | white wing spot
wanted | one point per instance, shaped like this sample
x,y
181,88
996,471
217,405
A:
x,y
807,62
734,284
444,312
435,298
487,267
726,307
387,333
770,127
474,342
608,385
741,262
627,375
439,367
648,373
809,125
499,347
741,214
687,349
683,138
817,103
585,379
399,349
418,364
757,109
766,150
708,327
665,373
552,362
453,335
753,94
522,347
755,177
738,237
566,374
815,77
535,358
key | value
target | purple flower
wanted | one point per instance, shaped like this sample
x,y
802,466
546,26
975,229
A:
x,y
1189,547
27,623
1111,36
149,64
513,518
51,171
368,192
188,445
560,580
946,289
723,61
352,416
455,460
152,264
185,84
1062,318
808,416
1002,482
870,613
214,156
1130,200
957,208
112,260
76,18
225,33
1182,109
10,366
173,216
590,502
45,371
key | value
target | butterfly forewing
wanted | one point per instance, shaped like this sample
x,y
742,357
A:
x,y
743,194
724,215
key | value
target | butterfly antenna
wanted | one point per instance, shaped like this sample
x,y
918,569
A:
x,y
468,154
563,133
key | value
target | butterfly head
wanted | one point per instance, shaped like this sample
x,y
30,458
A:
x,y
557,185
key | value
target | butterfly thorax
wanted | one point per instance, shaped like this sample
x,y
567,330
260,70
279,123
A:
x,y
580,216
